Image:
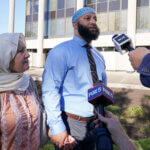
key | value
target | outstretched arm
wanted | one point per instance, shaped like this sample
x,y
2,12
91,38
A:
x,y
119,137
136,56
140,61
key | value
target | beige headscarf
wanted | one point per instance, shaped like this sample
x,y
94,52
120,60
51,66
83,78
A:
x,y
8,49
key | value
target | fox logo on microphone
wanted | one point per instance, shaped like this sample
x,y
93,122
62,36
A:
x,y
100,94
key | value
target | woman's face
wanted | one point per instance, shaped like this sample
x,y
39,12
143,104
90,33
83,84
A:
x,y
20,62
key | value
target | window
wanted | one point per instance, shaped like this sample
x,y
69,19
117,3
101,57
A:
x,y
111,14
141,3
142,15
60,4
101,7
114,5
58,17
60,22
52,5
90,1
31,26
124,4
70,4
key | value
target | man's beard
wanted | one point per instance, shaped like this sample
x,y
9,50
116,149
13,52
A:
x,y
87,34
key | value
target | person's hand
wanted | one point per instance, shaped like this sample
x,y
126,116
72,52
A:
x,y
119,137
63,140
112,123
69,143
59,139
136,56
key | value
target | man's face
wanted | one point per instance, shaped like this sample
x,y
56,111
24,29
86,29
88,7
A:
x,y
87,27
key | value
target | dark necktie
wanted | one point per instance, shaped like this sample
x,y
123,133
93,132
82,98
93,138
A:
x,y
92,64
104,141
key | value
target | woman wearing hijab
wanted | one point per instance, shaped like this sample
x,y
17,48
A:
x,y
19,107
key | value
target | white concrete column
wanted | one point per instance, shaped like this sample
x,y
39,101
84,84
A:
x,y
11,16
40,56
131,21
80,4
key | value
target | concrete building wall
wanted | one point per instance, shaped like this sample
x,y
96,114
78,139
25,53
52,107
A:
x,y
114,60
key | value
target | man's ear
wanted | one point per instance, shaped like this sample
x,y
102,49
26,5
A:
x,y
75,25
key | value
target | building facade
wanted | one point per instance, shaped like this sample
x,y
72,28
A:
x,y
48,23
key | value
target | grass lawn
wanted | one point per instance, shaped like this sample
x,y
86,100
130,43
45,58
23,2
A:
x,y
143,144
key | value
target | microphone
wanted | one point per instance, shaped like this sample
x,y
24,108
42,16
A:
x,y
100,96
122,42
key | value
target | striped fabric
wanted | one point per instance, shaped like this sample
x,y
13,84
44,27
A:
x,y
92,64
20,121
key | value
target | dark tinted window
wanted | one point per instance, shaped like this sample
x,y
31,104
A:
x,y
69,12
60,13
60,4
124,4
114,5
101,0
90,1
142,3
102,7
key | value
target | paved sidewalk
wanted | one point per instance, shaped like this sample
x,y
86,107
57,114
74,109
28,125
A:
x,y
123,79
116,79
36,73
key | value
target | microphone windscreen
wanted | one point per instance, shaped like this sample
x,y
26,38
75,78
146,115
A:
x,y
100,94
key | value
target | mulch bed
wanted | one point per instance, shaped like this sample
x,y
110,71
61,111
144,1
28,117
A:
x,y
128,98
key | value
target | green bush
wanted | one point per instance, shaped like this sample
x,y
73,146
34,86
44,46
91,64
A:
x,y
136,111
143,144
114,109
147,96
145,129
48,146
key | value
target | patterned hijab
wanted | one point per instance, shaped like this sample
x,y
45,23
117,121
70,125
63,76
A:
x,y
8,49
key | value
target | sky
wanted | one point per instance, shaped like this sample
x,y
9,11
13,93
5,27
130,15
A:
x,y
19,16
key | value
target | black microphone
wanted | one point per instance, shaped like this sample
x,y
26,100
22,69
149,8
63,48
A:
x,y
122,42
100,96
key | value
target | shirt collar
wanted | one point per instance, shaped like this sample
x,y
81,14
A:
x,y
79,40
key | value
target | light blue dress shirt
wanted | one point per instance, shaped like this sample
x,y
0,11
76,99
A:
x,y
66,80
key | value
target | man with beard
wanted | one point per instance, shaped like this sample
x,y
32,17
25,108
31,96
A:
x,y
66,80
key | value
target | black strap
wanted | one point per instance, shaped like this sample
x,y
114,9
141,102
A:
x,y
92,64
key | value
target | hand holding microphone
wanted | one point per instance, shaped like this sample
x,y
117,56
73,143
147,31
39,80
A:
x,y
123,43
136,56
100,95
